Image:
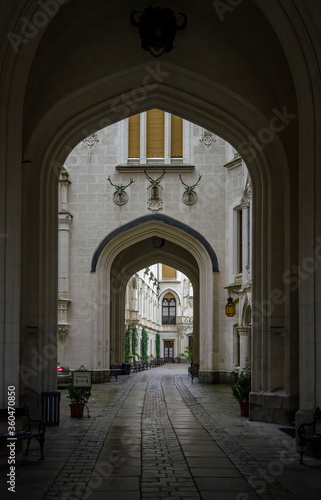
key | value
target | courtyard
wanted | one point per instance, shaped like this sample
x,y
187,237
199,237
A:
x,y
157,435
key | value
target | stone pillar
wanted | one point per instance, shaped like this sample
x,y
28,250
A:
x,y
64,222
134,294
245,213
245,344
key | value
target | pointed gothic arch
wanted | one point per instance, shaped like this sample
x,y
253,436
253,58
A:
x,y
295,28
129,251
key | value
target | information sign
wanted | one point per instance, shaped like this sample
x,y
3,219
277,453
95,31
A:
x,y
81,379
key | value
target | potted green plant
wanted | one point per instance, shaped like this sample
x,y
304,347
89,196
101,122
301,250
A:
x,y
189,354
181,358
242,387
78,396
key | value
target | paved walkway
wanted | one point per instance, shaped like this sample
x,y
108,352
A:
x,y
155,435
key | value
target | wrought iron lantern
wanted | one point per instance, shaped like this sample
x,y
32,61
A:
x,y
230,308
157,28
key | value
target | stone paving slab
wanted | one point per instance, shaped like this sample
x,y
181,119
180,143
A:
x,y
156,435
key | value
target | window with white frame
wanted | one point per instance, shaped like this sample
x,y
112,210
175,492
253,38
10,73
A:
x,y
155,137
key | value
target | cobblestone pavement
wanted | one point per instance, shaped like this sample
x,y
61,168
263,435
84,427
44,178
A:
x,y
156,435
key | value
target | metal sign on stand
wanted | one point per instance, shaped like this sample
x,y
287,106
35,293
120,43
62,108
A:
x,y
81,379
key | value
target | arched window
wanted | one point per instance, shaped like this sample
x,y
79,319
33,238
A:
x,y
169,310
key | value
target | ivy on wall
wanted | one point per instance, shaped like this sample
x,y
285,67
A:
x,y
134,342
127,346
157,345
144,345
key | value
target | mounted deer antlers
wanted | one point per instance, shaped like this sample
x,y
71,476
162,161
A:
x,y
155,202
120,196
189,195
154,182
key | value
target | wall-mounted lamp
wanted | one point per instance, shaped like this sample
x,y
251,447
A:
x,y
230,308
157,28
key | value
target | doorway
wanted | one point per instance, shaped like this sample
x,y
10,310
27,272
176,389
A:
x,y
168,351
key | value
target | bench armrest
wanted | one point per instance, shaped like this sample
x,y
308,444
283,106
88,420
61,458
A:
x,y
41,424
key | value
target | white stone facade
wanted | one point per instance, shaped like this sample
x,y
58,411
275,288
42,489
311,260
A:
x,y
95,172
144,296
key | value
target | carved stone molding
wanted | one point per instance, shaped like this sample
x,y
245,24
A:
x,y
64,176
248,272
244,331
155,205
207,138
64,217
245,202
63,330
155,200
91,140
184,319
248,189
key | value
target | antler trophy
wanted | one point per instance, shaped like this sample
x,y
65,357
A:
x,y
155,202
189,195
155,183
120,196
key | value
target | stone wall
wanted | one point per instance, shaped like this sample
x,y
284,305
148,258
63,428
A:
x,y
95,215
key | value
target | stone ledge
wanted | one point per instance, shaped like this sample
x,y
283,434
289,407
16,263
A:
x,y
171,168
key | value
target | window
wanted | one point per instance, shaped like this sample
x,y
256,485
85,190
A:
x,y
169,310
155,134
168,273
134,137
155,137
176,137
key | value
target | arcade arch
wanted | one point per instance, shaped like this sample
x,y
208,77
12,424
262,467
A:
x,y
267,221
48,136
133,249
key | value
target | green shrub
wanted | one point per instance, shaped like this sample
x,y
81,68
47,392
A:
x,y
157,345
242,387
78,395
144,345
134,342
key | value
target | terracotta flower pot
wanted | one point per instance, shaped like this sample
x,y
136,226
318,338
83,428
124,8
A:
x,y
244,407
76,410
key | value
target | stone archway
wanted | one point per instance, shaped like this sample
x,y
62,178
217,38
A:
x,y
133,249
272,157
60,123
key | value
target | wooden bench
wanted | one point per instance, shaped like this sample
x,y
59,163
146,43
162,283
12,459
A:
x,y
32,429
307,433
117,369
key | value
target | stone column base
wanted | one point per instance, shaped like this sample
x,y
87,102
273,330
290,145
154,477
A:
x,y
215,377
273,408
